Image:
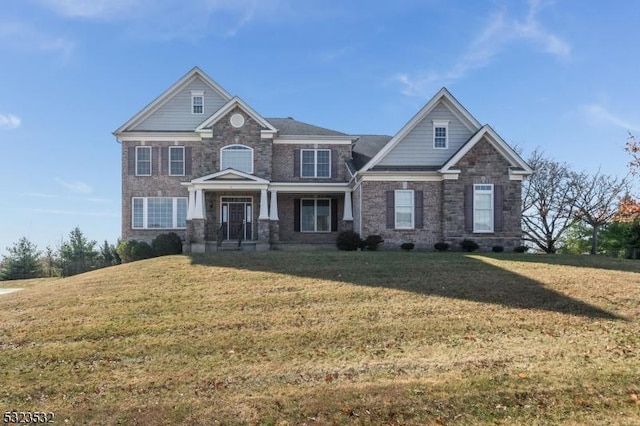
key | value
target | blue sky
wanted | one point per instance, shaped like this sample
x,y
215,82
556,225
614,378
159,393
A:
x,y
559,75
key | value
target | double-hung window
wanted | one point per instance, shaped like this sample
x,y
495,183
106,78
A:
x,y
197,102
483,208
315,215
404,209
315,163
143,160
238,157
176,160
440,134
159,212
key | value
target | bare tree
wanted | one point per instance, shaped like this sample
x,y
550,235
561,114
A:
x,y
597,202
633,148
548,202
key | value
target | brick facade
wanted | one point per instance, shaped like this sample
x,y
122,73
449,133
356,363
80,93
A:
x,y
283,162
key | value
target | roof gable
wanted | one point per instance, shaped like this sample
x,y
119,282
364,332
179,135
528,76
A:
x,y
234,102
443,97
490,135
229,175
194,76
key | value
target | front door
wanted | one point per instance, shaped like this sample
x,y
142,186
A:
x,y
236,220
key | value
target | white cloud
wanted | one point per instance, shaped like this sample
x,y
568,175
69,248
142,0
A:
x,y
9,121
500,32
75,186
16,35
601,114
91,8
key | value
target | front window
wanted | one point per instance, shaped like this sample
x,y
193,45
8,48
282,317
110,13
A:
x,y
159,212
238,157
440,134
176,160
143,160
404,209
315,163
315,215
483,208
197,102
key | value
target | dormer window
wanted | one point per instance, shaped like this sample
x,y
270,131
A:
x,y
440,134
197,102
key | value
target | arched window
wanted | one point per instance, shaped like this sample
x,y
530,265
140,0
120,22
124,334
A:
x,y
238,157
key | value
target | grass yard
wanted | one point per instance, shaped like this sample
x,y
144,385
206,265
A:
x,y
329,338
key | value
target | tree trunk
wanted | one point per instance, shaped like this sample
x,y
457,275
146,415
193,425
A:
x,y
594,240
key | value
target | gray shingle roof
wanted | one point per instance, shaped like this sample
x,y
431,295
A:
x,y
366,147
290,127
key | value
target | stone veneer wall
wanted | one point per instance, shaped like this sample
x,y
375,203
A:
x,y
283,162
482,165
374,217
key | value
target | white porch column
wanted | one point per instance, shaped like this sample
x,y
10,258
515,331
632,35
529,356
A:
x,y
199,205
264,205
191,208
348,211
273,210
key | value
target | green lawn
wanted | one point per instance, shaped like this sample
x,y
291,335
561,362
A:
x,y
329,338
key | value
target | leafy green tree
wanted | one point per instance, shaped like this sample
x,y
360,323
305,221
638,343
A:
x,y
576,239
108,255
49,262
77,255
22,262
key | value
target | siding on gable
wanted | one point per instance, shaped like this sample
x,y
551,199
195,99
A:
x,y
175,114
416,148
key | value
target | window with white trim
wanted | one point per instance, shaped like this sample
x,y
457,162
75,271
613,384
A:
x,y
176,160
197,102
440,134
315,163
159,212
404,209
143,161
315,215
238,157
483,208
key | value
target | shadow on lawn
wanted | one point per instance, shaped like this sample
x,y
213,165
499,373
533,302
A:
x,y
581,261
450,275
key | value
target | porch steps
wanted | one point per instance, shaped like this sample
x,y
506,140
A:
x,y
233,246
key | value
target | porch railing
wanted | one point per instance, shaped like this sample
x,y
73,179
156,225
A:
x,y
220,233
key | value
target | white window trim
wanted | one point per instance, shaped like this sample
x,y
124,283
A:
x,y
145,211
183,160
437,124
197,94
315,164
315,215
413,209
150,161
477,191
244,146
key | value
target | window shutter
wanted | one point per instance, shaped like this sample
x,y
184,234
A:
x,y
187,160
391,209
334,163
468,208
296,163
155,155
131,157
164,160
498,208
296,214
418,200
334,215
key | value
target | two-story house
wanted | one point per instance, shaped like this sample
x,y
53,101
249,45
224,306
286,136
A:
x,y
204,164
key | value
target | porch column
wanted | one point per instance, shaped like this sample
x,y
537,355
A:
x,y
198,212
273,210
264,205
192,204
348,213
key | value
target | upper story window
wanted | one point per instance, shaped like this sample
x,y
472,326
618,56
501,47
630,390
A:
x,y
315,163
483,208
197,102
238,157
143,161
440,134
176,160
404,209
